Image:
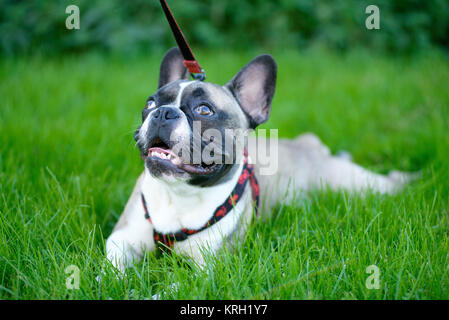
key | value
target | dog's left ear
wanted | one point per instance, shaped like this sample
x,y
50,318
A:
x,y
254,86
172,67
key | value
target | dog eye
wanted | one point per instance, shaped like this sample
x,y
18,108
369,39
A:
x,y
150,104
204,110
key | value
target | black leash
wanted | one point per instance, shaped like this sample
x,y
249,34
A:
x,y
190,61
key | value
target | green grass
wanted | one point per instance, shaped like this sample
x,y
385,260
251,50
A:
x,y
68,164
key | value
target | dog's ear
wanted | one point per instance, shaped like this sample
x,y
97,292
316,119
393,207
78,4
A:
x,y
172,67
253,87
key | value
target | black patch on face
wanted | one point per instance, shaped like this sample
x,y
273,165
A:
x,y
198,92
167,94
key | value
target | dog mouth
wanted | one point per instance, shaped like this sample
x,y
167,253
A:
x,y
159,152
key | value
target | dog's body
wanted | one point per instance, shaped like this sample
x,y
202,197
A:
x,y
180,196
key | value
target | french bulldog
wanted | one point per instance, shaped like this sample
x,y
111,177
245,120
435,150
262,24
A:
x,y
185,203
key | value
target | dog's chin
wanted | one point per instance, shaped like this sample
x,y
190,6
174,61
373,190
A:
x,y
162,162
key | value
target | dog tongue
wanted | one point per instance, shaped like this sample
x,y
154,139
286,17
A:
x,y
198,169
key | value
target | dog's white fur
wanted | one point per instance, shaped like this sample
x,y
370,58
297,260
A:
x,y
174,205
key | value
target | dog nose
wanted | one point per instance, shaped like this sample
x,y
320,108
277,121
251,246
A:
x,y
166,113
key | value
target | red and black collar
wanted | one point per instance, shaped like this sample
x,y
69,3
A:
x,y
168,239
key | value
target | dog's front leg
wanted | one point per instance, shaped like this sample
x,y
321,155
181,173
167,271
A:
x,y
132,236
127,245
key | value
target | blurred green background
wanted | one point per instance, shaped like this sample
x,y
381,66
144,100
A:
x,y
72,99
139,25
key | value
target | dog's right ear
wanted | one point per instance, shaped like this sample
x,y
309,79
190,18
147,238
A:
x,y
253,87
172,67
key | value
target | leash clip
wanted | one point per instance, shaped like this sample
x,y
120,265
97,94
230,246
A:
x,y
199,76
195,70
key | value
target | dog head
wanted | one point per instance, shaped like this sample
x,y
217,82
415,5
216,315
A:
x,y
188,129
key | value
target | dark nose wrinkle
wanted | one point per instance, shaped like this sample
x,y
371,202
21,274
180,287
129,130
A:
x,y
166,113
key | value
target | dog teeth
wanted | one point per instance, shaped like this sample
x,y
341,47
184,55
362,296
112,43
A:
x,y
159,155
162,155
